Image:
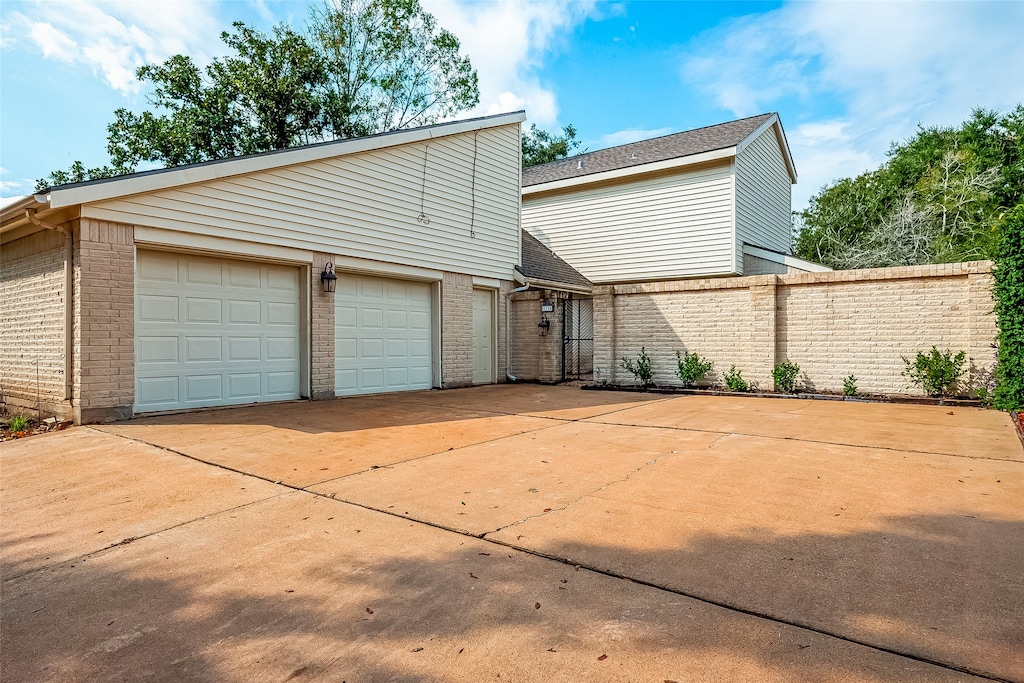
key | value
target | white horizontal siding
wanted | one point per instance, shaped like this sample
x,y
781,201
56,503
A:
x,y
763,196
362,205
657,228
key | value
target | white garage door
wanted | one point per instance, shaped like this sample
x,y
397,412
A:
x,y
214,332
382,335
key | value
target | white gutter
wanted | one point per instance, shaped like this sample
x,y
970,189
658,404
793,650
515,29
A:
x,y
508,331
30,214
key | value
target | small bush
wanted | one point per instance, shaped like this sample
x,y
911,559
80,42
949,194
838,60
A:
x,y
691,368
784,375
850,386
734,380
641,368
936,372
17,423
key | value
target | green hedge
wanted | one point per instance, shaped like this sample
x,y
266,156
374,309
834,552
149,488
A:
x,y
1009,295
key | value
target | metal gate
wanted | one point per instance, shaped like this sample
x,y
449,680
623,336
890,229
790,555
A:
x,y
577,339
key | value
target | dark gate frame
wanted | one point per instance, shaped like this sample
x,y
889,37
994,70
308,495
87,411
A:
x,y
577,339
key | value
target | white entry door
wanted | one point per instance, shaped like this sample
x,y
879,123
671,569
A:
x,y
382,335
214,331
483,336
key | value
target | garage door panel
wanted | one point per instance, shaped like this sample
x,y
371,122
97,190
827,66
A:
x,y
157,391
220,335
203,272
241,312
151,308
203,388
202,349
203,310
382,335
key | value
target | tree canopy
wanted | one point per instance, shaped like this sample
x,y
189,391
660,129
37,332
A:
x,y
361,67
541,147
937,199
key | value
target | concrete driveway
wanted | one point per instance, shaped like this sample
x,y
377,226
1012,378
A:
x,y
518,533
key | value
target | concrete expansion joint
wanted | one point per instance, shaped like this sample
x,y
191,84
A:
x,y
572,502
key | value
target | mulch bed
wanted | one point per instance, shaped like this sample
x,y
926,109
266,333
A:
x,y
31,429
962,401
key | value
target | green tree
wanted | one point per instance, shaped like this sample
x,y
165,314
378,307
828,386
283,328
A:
x,y
362,67
1008,293
936,200
541,147
389,66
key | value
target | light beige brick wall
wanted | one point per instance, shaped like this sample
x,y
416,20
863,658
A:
x,y
32,323
104,331
536,358
456,330
322,332
832,324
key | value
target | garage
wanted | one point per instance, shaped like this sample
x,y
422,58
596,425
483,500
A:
x,y
214,331
383,335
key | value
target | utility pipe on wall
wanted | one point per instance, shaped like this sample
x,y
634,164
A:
x,y
508,332
30,214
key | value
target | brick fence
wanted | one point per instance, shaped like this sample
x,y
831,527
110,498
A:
x,y
832,324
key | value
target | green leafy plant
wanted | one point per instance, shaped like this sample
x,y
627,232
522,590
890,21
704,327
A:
x,y
17,423
641,368
734,380
691,368
1008,292
785,374
850,386
937,372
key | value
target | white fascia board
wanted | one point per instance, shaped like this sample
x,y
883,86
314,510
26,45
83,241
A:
x,y
667,164
780,138
785,259
224,168
172,240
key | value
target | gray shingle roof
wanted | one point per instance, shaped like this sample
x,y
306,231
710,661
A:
x,y
697,141
542,263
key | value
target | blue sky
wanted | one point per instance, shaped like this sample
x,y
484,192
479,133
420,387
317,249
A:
x,y
846,77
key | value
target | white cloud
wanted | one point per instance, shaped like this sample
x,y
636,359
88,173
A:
x,y
858,76
13,190
114,37
54,44
624,137
507,42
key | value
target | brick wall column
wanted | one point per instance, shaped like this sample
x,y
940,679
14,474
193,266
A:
x,y
762,330
981,327
104,321
456,330
605,361
550,359
322,332
502,341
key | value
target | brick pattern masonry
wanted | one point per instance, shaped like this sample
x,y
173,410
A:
x,y
832,324
32,320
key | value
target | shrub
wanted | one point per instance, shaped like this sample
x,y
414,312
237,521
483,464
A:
x,y
784,375
936,372
1008,292
691,368
17,423
734,380
850,386
641,368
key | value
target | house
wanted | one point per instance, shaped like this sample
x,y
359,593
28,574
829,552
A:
x,y
709,202
207,285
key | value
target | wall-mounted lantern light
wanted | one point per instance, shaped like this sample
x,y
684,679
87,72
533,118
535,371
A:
x,y
328,279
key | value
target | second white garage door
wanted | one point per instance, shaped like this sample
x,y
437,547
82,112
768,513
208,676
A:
x,y
382,335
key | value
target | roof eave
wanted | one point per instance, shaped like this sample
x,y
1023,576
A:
x,y
69,195
640,169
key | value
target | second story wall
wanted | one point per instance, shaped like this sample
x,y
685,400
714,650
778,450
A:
x,y
763,196
652,227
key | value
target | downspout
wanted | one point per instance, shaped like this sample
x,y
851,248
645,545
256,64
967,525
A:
x,y
30,214
508,332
